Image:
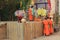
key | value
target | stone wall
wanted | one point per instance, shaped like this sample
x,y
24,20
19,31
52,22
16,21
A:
x,y
23,31
3,31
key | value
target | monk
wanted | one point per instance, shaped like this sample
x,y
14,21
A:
x,y
46,27
30,14
51,26
37,19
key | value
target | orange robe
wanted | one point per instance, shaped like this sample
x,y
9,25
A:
x,y
51,28
37,19
46,27
30,14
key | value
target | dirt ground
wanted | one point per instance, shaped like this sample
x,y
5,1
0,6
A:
x,y
55,36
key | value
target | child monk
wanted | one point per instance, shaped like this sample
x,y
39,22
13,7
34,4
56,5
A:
x,y
30,14
46,27
37,19
51,26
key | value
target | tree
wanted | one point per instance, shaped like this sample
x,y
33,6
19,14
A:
x,y
24,4
8,7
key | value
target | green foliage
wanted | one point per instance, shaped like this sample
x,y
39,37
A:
x,y
25,4
8,7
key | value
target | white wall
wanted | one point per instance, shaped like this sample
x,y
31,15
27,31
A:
x,y
53,6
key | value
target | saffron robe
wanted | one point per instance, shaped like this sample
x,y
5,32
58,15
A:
x,y
51,26
30,14
46,27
